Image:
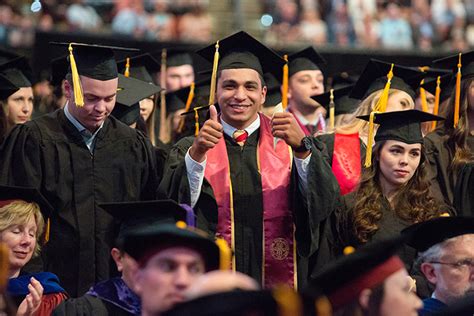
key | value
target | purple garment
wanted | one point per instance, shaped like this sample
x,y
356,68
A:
x,y
190,217
116,292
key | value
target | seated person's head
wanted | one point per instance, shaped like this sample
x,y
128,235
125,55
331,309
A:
x,y
170,259
371,281
446,256
21,226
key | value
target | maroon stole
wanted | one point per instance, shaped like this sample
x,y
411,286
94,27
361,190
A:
x,y
303,127
279,252
346,163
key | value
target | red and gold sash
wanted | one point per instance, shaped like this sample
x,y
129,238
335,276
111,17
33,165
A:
x,y
279,252
346,163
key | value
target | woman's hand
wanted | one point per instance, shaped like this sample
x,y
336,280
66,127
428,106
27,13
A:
x,y
32,301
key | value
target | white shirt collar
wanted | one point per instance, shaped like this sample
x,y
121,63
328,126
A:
x,y
72,119
229,130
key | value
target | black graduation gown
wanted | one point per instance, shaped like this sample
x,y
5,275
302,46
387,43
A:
x,y
444,182
50,154
88,305
308,210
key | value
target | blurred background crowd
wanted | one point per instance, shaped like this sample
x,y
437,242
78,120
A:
x,y
402,24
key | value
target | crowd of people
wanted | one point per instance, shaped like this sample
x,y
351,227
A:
x,y
260,186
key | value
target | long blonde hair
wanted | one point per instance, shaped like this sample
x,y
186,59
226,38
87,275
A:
x,y
20,212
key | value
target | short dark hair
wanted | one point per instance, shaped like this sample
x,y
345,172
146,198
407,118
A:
x,y
262,80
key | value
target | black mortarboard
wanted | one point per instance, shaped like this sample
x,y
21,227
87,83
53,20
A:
x,y
241,50
136,215
18,71
403,126
140,67
130,92
7,88
343,279
342,103
306,59
374,78
143,243
429,233
176,57
27,194
273,96
6,55
343,79
451,62
95,61
446,85
59,70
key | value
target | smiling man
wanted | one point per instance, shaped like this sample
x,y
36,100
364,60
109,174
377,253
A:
x,y
78,157
244,187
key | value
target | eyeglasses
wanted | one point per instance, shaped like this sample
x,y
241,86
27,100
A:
x,y
462,264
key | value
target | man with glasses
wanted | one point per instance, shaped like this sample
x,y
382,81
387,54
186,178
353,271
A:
x,y
446,258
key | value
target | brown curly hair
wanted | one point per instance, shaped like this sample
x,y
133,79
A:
x,y
413,202
457,139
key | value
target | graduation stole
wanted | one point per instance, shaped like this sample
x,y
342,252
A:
x,y
346,163
279,252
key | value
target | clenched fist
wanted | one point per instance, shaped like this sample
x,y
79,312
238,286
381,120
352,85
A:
x,y
208,137
285,126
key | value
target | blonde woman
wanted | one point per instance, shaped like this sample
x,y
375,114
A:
x,y
347,144
22,230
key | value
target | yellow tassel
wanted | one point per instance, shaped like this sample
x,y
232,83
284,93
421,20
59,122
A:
x,y
225,254
437,97
212,93
76,80
284,86
370,140
189,100
4,266
126,73
381,105
323,306
348,250
196,123
331,109
164,134
289,302
424,103
47,230
458,94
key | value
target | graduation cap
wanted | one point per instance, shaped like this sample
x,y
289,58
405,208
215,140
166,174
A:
x,y
18,71
6,55
343,280
241,50
342,80
178,99
175,57
306,59
462,65
138,214
374,78
130,92
404,126
273,96
145,242
8,194
93,61
445,84
7,88
426,234
139,67
343,104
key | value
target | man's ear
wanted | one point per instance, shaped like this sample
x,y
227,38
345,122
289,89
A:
x,y
429,272
264,94
117,256
364,298
67,89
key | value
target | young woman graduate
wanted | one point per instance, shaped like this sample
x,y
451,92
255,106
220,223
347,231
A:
x,y
393,192
347,145
449,147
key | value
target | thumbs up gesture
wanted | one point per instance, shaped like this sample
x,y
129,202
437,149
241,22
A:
x,y
208,137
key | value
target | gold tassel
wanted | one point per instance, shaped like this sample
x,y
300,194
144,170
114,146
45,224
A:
x,y
76,80
331,109
424,103
284,86
370,140
458,94
126,73
381,105
47,230
4,266
437,97
225,254
189,100
212,93
323,306
196,123
288,301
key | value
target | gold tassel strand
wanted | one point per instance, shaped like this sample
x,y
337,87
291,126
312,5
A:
x,y
76,80
212,93
458,94
437,99
284,89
